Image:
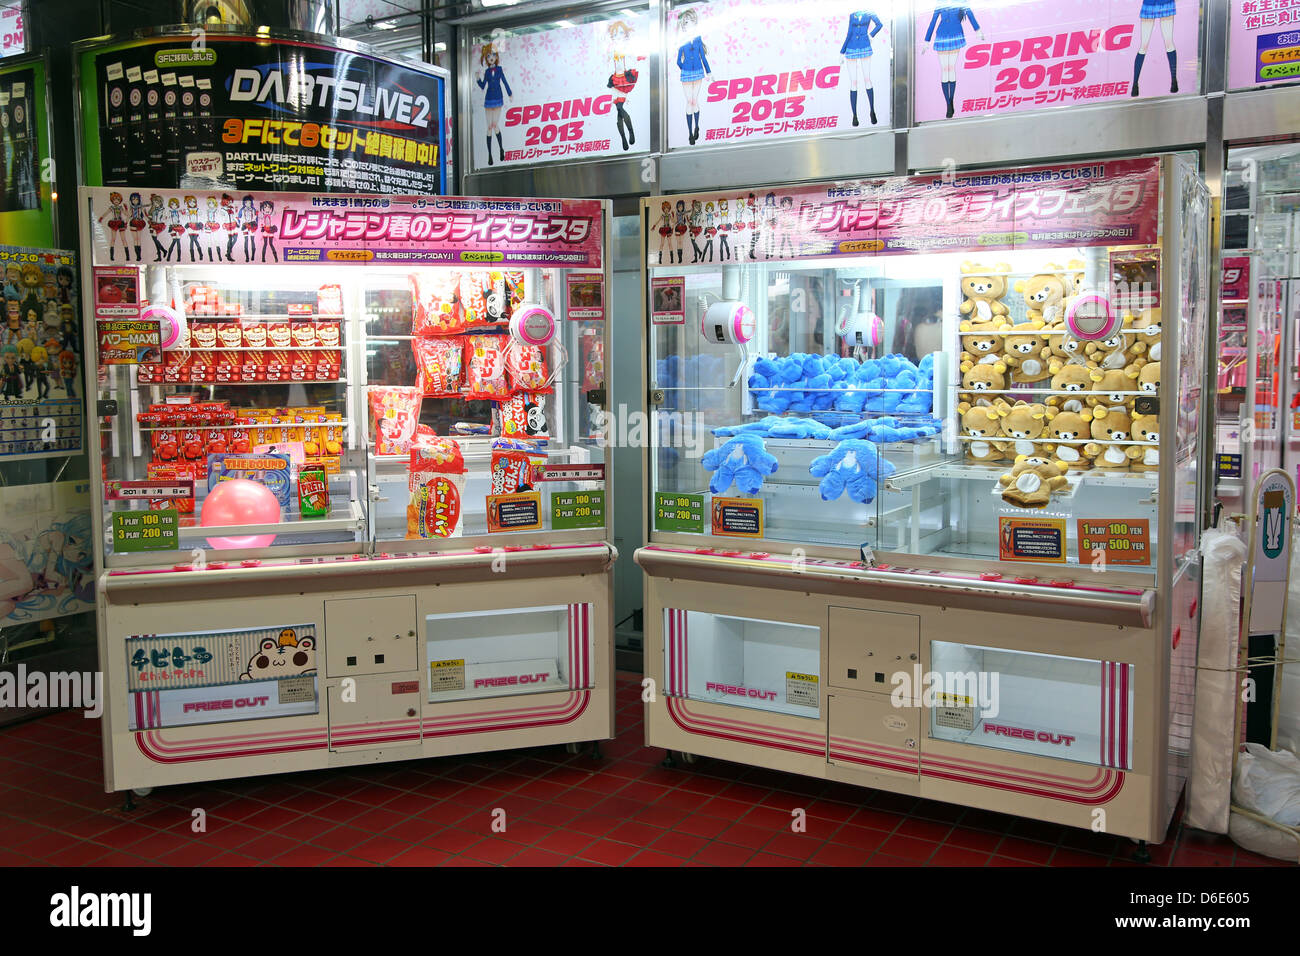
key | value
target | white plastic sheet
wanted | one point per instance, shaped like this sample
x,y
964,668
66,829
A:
x,y
1209,783
1268,783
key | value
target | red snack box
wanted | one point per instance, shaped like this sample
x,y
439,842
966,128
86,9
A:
x,y
201,368
303,366
329,334
229,335
279,365
177,367
298,309
228,366
278,334
303,334
329,300
253,366
203,335
329,366
254,334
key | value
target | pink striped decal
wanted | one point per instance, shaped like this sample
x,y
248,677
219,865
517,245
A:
x,y
579,646
1115,716
675,622
586,646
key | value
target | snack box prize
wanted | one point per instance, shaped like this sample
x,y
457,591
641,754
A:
x,y
271,470
436,480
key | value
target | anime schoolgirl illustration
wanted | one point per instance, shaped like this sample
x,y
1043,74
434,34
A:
x,y
248,226
855,59
174,227
680,227
116,212
231,225
212,222
137,222
789,223
771,224
697,229
622,80
194,228
665,228
710,231
755,232
692,60
724,231
491,80
1153,12
157,225
948,33
266,218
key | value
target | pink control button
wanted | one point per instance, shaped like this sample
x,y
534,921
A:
x,y
1029,580
541,547
990,576
182,567
1061,584
217,565
250,563
704,551
759,555
483,549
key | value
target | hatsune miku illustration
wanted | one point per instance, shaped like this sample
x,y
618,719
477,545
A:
x,y
49,573
692,60
948,34
622,80
492,79
116,213
1153,12
665,229
855,59
266,217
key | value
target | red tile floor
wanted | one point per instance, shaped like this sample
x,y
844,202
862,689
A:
x,y
560,810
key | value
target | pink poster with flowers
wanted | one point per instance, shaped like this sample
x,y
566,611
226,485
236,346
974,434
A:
x,y
1006,56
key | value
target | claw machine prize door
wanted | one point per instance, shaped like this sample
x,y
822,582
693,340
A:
x,y
347,438
921,425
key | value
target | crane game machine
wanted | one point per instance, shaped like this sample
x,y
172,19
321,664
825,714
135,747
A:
x,y
924,489
352,495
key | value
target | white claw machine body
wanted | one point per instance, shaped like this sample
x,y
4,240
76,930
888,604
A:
x,y
923,509
352,496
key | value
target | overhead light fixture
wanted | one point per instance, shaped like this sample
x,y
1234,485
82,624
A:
x,y
439,47
497,3
564,23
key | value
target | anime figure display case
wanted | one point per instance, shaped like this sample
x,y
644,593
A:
x,y
924,491
352,503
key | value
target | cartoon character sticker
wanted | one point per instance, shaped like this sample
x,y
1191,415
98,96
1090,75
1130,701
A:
x,y
287,655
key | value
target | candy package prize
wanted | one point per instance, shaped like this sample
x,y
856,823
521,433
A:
x,y
436,300
271,470
527,367
439,365
515,465
486,376
394,413
436,480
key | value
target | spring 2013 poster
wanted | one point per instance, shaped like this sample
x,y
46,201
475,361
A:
x,y
569,91
1016,55
758,70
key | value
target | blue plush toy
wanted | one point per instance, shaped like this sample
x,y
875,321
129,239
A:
x,y
742,459
797,428
854,467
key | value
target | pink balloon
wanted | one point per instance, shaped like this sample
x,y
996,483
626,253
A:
x,y
240,501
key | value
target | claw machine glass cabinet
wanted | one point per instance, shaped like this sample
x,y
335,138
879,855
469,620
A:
x,y
924,483
352,496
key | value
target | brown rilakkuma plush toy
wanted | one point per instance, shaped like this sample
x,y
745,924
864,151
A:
x,y
979,424
982,345
1146,428
1147,339
1025,353
1071,379
1149,378
983,377
1064,349
1030,483
1045,296
1110,390
983,290
1117,350
1022,424
1115,428
1066,436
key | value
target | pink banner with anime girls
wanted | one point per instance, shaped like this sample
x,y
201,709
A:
x,y
1079,204
269,228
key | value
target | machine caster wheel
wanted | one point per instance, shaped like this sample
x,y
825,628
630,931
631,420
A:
x,y
142,791
686,758
1141,854
573,748
668,762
